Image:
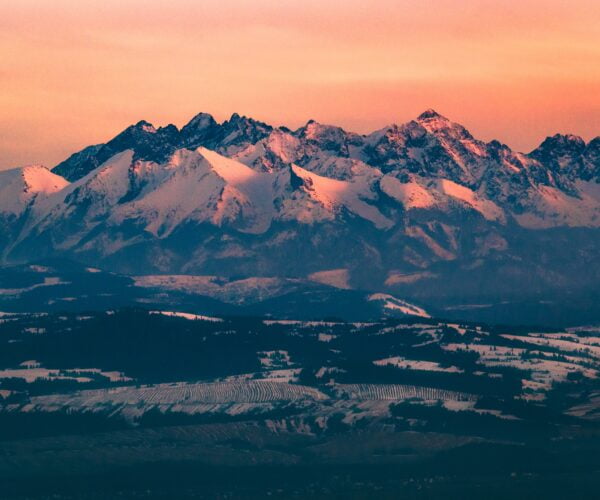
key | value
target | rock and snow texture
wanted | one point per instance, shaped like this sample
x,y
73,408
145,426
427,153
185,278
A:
x,y
409,194
431,147
428,162
463,194
202,186
319,202
411,364
333,195
191,187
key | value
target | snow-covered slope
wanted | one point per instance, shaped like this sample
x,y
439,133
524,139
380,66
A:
x,y
391,305
333,195
20,187
202,186
192,187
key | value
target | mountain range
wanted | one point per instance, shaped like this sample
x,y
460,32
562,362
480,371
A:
x,y
422,210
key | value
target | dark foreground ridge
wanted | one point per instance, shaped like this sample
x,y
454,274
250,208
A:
x,y
138,404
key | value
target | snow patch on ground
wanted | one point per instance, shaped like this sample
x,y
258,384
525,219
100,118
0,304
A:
x,y
188,316
396,278
411,364
391,303
33,371
274,359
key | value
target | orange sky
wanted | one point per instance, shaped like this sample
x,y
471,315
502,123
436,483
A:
x,y
76,72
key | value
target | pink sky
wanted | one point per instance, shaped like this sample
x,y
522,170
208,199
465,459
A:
x,y
75,72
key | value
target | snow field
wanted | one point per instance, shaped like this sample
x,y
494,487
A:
x,y
183,393
400,392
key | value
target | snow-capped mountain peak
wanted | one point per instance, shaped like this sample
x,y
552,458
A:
x,y
145,126
435,123
410,203
201,121
431,114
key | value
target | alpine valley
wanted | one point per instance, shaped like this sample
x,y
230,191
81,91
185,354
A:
x,y
252,215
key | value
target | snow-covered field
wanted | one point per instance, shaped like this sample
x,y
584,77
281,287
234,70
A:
x,y
545,367
319,369
275,359
188,316
398,392
411,364
31,371
231,398
391,303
